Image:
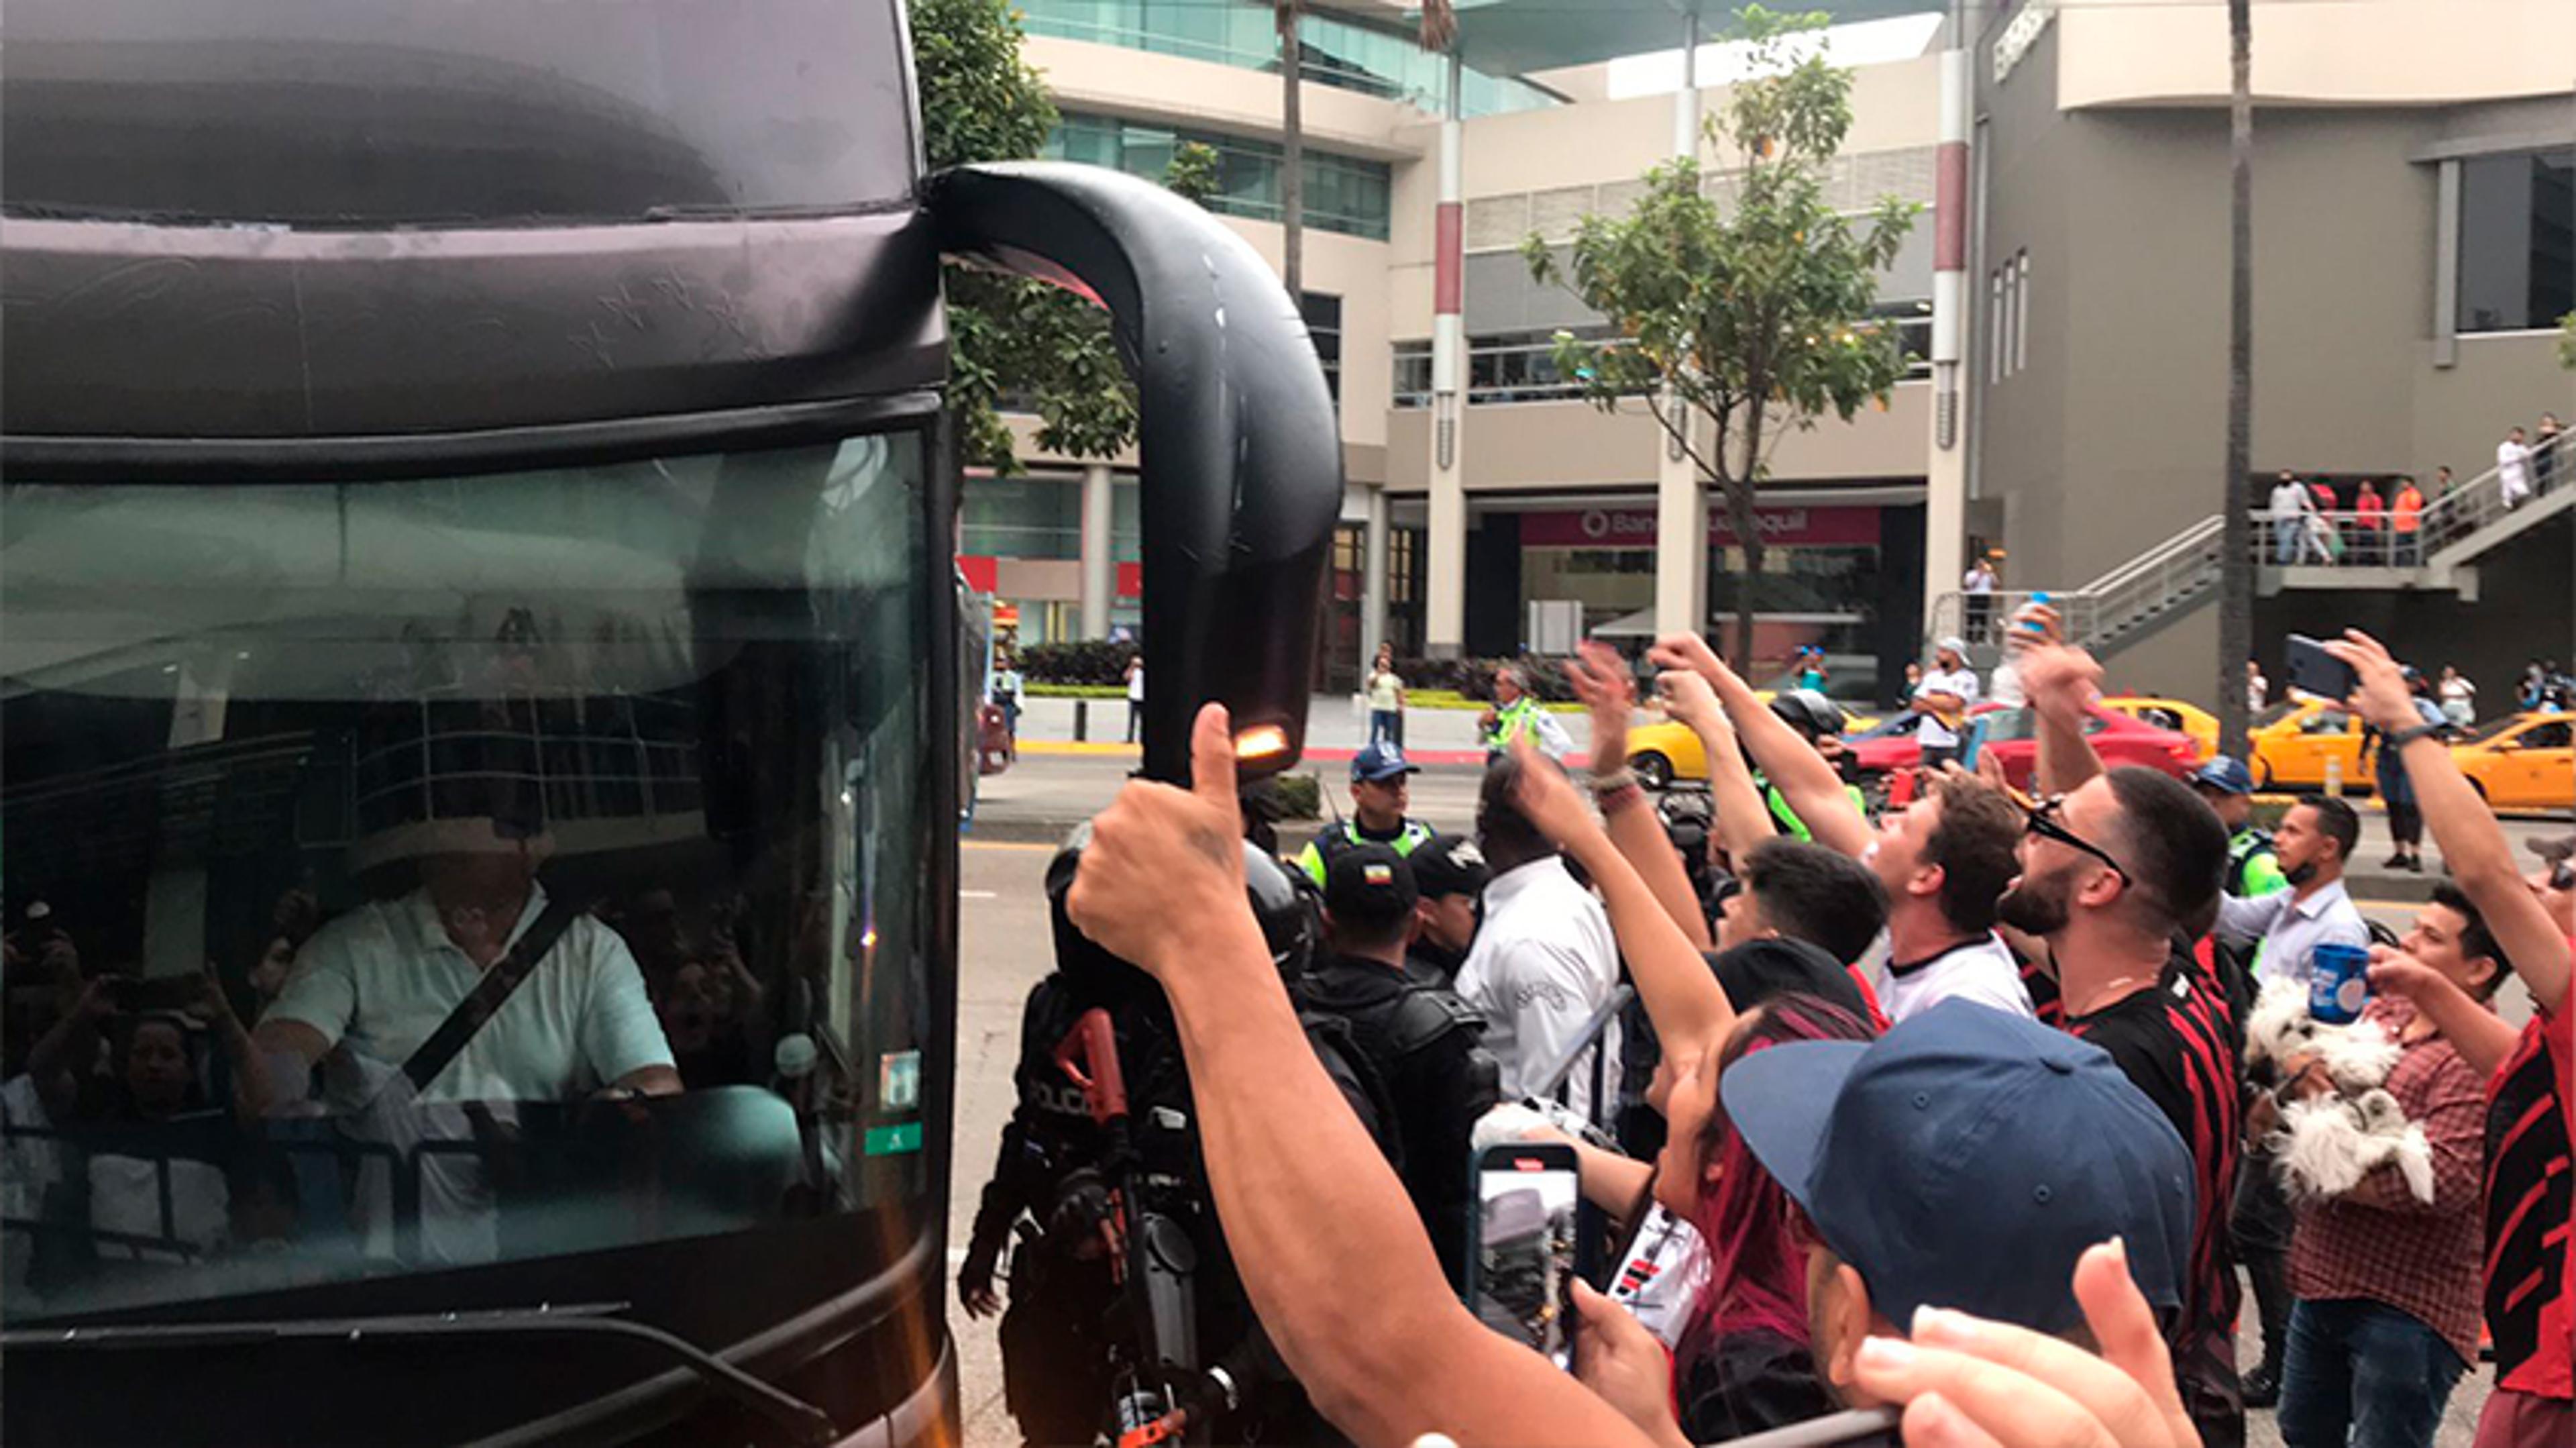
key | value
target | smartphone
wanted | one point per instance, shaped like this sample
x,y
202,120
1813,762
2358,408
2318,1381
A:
x,y
1531,1238
2314,671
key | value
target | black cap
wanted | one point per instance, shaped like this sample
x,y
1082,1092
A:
x,y
1775,965
1449,865
1368,884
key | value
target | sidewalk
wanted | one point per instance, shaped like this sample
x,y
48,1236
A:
x,y
1333,727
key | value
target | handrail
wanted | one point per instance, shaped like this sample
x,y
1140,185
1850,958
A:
x,y
2195,536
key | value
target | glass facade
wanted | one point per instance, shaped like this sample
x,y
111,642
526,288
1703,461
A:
x,y
1343,193
2517,240
1337,51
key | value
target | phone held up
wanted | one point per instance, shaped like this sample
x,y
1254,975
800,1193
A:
x,y
2314,671
1534,1236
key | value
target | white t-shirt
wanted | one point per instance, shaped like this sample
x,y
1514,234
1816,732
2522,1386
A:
x,y
384,975
1981,970
2289,500
1979,580
1660,1279
1542,964
2004,686
1385,691
1962,682
2513,468
1136,685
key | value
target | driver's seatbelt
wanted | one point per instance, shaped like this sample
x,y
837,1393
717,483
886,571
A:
x,y
490,993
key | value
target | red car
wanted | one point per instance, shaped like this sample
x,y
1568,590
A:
x,y
2118,738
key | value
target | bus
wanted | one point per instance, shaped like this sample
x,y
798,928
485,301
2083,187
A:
x,y
482,703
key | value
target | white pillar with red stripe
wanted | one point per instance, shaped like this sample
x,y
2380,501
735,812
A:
x,y
1945,514
1681,494
1445,609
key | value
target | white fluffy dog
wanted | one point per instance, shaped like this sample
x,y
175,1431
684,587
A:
x,y
2326,1144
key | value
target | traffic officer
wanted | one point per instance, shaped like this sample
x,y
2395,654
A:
x,y
1516,712
1819,721
2252,866
1380,793
1450,873
1421,1040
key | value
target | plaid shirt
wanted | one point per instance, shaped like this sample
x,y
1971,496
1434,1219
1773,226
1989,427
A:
x,y
2377,1241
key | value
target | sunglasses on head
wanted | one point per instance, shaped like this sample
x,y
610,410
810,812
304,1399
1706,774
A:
x,y
2562,876
2041,818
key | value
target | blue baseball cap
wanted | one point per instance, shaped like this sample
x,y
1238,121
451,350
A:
x,y
2224,773
1380,761
1967,1158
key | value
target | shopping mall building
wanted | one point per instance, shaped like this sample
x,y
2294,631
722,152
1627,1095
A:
x,y
2064,294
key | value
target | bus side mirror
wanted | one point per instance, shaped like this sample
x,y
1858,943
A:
x,y
1239,449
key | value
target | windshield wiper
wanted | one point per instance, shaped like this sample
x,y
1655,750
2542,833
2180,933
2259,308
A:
x,y
583,1319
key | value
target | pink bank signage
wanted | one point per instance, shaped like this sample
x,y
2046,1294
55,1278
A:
x,y
1635,527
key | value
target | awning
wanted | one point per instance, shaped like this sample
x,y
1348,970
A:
x,y
1515,37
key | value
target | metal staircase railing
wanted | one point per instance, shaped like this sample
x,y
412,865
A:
x,y
2112,609
2453,529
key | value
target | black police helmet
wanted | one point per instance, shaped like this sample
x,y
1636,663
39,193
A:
x,y
1282,899
1808,712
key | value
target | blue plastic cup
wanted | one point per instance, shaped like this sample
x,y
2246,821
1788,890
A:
x,y
2338,983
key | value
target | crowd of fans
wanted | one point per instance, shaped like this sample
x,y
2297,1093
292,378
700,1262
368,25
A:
x,y
1974,1110
2395,523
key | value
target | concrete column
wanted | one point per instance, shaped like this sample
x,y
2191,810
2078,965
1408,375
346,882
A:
x,y
1681,538
1945,514
1681,497
1099,556
1445,609
1373,581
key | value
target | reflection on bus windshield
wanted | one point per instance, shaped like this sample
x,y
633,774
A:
x,y
420,874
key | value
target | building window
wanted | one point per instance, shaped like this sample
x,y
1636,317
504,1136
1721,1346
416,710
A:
x,y
1343,193
1033,516
1995,326
1383,61
2021,311
2517,240
1324,329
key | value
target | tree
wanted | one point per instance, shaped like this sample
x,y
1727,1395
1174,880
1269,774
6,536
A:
x,y
1192,173
1757,322
1009,336
2567,341
2236,505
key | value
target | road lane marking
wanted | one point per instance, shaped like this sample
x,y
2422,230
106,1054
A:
x,y
1006,845
978,895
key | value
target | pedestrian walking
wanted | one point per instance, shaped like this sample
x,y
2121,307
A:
x,y
2288,516
2513,468
2258,690
2370,525
2406,524
1979,586
1386,699
2459,697
1135,696
2405,821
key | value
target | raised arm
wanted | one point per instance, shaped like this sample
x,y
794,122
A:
x,y
2474,846
1161,884
2482,1037
1682,997
1600,680
1739,816
1804,777
2061,682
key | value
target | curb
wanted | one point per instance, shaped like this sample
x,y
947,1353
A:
x,y
1014,830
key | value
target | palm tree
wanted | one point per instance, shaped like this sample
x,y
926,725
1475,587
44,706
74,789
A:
x,y
1292,149
2236,563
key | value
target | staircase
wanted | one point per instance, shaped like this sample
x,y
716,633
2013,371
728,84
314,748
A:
x,y
2469,522
2176,576
2113,611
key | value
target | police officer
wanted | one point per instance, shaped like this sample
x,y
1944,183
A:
x,y
1381,791
1819,721
1422,1040
1515,713
1053,1181
2252,867
1449,872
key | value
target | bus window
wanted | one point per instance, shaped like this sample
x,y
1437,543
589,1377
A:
x,y
341,746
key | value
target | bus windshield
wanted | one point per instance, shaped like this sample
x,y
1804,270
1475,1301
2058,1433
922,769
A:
x,y
290,766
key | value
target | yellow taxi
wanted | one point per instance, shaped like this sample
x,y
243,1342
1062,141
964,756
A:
x,y
2522,761
2179,715
1667,749
2294,742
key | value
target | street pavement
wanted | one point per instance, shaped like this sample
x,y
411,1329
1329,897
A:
x,y
1005,948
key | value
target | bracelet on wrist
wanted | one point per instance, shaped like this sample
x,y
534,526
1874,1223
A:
x,y
1620,779
1619,796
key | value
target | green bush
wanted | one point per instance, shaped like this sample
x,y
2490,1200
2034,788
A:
x,y
1299,796
1474,678
1087,661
